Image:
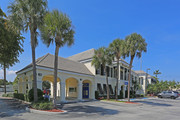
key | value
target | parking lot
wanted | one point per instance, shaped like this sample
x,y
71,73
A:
x,y
148,109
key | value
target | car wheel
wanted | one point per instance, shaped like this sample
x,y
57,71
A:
x,y
159,96
172,97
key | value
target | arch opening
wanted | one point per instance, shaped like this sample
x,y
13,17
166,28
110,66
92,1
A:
x,y
47,83
71,88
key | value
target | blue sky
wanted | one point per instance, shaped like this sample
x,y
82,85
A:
x,y
98,22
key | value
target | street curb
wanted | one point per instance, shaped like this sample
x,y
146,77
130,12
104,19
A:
x,y
138,104
44,112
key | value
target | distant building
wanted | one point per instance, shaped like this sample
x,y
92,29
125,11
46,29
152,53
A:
x,y
9,88
77,78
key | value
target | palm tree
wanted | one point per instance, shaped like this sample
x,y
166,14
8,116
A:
x,y
57,28
156,73
117,49
135,46
28,15
102,58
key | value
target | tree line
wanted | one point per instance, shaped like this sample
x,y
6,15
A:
x,y
160,86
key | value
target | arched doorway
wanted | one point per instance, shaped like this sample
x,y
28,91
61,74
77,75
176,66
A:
x,y
48,81
71,88
86,89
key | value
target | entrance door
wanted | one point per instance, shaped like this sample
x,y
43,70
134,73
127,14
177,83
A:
x,y
85,90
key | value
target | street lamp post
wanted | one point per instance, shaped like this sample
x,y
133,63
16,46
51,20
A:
x,y
146,81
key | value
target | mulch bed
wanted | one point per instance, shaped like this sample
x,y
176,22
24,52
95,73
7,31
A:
x,y
53,110
131,102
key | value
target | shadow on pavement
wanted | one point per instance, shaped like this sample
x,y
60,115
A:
x,y
153,103
11,107
86,109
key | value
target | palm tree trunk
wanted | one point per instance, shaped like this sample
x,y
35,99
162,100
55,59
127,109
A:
x,y
55,75
4,78
117,79
107,84
34,66
129,77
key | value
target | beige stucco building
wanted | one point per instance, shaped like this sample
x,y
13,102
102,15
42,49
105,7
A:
x,y
77,78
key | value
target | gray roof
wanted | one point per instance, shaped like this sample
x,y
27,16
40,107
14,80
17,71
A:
x,y
63,64
83,55
142,72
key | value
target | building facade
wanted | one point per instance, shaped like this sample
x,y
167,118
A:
x,y
78,79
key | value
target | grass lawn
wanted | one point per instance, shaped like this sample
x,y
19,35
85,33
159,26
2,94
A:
x,y
113,100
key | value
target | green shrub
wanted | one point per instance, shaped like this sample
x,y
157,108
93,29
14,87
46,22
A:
x,y
96,95
26,97
4,95
15,91
8,95
142,95
126,93
42,105
31,95
121,95
19,96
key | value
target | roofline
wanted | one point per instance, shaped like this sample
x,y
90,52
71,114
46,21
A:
x,y
81,52
59,70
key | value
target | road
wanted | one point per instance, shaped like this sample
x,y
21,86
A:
x,y
149,109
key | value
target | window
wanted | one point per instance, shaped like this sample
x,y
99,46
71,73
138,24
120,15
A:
x,y
102,70
72,89
107,69
99,88
125,77
110,89
97,71
115,72
169,92
142,80
132,77
139,80
104,88
121,70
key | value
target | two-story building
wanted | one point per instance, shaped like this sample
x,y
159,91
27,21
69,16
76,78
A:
x,y
77,78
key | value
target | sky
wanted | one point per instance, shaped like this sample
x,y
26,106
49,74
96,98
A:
x,y
98,22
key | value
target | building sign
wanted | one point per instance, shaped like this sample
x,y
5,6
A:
x,y
126,83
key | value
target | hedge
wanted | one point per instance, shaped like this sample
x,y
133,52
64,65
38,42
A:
x,y
31,95
19,96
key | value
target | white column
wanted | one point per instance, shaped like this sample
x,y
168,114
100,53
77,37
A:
x,y
123,73
119,88
92,92
62,91
124,89
80,90
39,82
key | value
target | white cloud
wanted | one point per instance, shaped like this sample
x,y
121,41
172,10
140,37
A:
x,y
10,74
